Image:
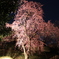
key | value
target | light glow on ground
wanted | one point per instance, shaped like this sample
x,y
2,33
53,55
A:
x,y
5,57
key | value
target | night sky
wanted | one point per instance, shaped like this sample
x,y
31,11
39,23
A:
x,y
50,8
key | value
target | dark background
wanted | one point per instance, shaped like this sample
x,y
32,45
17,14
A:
x,y
50,8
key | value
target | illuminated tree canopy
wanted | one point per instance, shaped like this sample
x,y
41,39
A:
x,y
29,27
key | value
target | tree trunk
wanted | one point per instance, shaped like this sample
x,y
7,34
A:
x,y
25,54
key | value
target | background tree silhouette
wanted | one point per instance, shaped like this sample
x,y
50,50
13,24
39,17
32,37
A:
x,y
7,12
